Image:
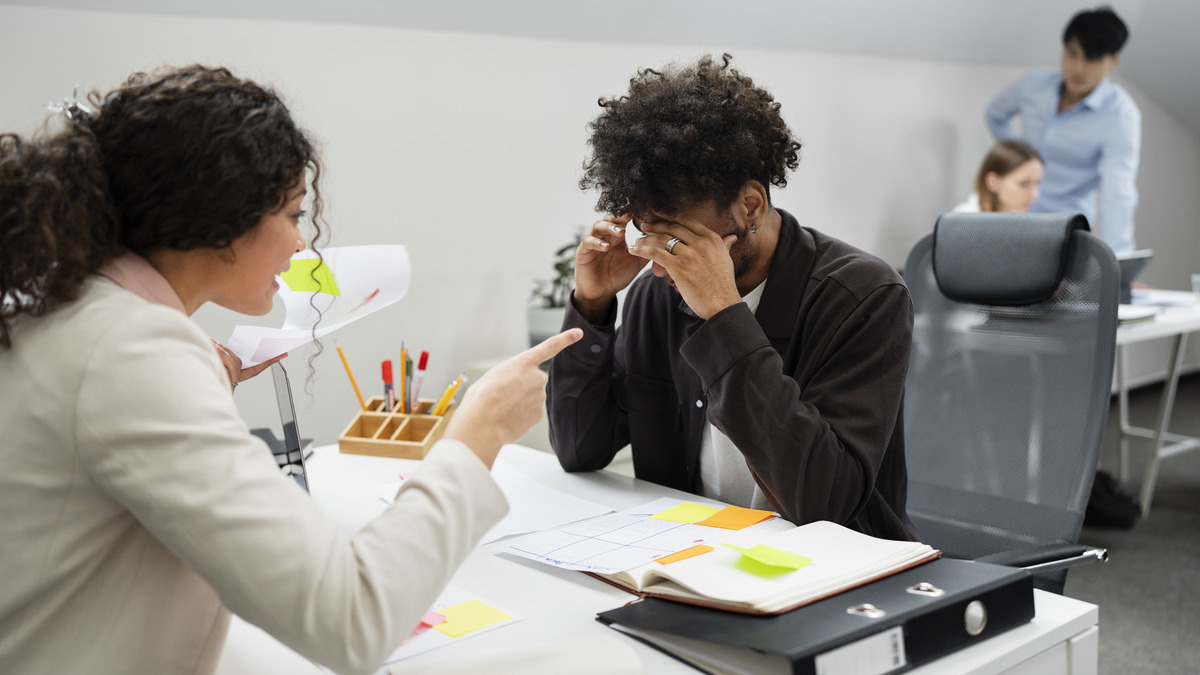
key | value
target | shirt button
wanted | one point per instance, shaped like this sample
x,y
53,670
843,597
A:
x,y
699,403
595,349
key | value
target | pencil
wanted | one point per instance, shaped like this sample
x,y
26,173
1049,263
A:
x,y
444,401
350,373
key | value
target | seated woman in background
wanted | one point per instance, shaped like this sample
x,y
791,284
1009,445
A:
x,y
138,508
1007,180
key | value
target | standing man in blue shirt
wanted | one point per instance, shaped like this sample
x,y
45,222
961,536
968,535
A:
x,y
1086,127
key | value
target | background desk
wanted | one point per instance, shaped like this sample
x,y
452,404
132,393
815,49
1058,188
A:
x,y
1178,319
1062,638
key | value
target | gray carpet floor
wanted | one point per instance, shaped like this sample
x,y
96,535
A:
x,y
1149,591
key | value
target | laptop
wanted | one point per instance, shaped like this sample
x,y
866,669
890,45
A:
x,y
1132,264
289,452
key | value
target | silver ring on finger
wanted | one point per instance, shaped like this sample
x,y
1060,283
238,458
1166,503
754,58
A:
x,y
671,245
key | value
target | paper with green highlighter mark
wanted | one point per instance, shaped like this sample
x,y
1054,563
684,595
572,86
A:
x,y
311,275
341,285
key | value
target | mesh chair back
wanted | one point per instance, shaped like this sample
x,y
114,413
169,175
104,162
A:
x,y
1008,385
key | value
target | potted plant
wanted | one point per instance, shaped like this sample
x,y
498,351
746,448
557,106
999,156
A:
x,y
550,296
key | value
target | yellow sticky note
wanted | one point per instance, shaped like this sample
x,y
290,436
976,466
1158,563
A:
x,y
310,274
698,549
736,518
686,512
767,561
468,616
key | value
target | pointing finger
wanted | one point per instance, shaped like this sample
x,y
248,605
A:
x,y
554,344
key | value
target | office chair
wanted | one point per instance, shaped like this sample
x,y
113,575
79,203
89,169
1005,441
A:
x,y
1007,393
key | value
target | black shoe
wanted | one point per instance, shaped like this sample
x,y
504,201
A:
x,y
1109,506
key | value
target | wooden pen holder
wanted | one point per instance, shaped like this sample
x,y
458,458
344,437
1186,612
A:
x,y
375,431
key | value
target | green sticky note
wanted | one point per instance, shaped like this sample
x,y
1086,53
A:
x,y
310,274
686,512
768,561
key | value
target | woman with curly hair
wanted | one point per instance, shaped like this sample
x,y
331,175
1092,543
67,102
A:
x,y
761,363
138,509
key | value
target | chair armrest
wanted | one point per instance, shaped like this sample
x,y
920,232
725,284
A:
x,y
1047,558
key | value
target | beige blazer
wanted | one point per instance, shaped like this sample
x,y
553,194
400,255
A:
x,y
138,511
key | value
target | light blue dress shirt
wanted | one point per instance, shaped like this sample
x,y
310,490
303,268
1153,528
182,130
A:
x,y
1092,146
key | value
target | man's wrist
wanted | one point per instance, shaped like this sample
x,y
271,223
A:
x,y
719,306
593,311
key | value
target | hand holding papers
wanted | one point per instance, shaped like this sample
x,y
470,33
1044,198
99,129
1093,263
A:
x,y
348,284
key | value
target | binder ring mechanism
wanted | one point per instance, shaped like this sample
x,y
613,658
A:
x,y
927,589
867,610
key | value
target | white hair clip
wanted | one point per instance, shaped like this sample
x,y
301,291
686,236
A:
x,y
71,107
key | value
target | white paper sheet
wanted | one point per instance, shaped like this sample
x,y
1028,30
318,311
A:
x,y
531,506
583,654
355,281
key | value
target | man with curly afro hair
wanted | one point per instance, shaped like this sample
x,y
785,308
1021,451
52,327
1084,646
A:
x,y
761,363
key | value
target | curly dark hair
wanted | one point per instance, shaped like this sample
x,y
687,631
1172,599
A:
x,y
180,158
686,135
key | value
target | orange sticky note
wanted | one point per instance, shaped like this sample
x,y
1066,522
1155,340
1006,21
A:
x,y
698,549
736,518
685,512
469,616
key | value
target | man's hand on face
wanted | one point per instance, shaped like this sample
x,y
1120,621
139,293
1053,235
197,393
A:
x,y
603,267
698,263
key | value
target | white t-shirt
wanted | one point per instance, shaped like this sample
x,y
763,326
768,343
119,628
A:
x,y
971,205
724,475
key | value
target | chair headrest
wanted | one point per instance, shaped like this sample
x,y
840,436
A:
x,y
1002,258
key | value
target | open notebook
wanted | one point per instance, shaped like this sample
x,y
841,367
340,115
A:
x,y
745,574
759,564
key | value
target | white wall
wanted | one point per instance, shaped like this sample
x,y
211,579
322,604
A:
x,y
467,149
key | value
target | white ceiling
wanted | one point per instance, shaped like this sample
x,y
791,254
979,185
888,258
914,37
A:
x,y
1162,57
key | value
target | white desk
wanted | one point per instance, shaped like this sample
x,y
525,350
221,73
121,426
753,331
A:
x,y
1179,318
554,603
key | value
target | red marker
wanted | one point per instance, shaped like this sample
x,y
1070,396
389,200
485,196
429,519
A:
x,y
420,376
389,391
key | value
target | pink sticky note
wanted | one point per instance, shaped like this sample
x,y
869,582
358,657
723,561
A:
x,y
428,621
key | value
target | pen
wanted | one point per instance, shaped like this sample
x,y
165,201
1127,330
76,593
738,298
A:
x,y
444,401
420,376
403,376
350,373
408,380
388,391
